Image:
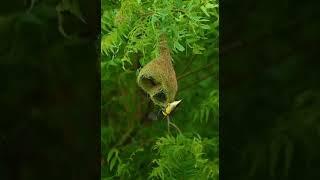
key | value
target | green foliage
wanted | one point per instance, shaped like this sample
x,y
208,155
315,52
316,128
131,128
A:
x,y
137,25
210,105
48,89
279,145
271,93
135,141
183,158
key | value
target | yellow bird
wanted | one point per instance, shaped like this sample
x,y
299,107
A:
x,y
170,107
166,112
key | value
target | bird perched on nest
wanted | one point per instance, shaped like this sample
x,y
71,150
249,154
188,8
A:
x,y
169,109
158,80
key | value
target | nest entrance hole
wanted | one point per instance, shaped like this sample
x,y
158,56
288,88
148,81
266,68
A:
x,y
149,82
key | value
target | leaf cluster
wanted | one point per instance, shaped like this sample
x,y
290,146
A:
x,y
137,25
185,158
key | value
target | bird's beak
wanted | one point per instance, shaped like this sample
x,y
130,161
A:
x,y
175,103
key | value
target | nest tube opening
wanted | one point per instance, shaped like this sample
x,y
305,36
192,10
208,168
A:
x,y
148,82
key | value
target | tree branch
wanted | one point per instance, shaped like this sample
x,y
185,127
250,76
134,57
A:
x,y
195,71
197,81
189,64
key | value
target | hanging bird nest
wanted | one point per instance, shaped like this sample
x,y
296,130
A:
x,y
158,78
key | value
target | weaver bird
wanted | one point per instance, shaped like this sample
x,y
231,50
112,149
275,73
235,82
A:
x,y
169,108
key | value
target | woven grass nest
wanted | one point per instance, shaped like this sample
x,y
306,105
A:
x,y
158,78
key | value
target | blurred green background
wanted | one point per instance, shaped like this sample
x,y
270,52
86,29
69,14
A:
x,y
49,92
269,82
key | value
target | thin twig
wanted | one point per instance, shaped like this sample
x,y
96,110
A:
x,y
170,123
125,137
168,120
195,71
197,81
176,127
188,65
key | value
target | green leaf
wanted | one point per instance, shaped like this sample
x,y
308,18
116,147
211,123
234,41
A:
x,y
179,46
205,10
207,115
113,162
205,26
209,5
110,154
